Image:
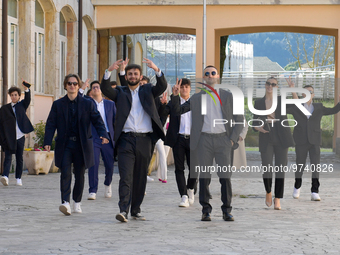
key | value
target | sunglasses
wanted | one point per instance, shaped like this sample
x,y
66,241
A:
x,y
213,73
72,83
309,92
271,84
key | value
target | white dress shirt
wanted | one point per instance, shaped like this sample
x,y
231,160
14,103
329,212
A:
x,y
310,108
18,131
185,123
213,112
101,110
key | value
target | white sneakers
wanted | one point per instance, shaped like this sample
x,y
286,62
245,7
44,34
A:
x,y
191,196
19,182
184,202
108,191
296,193
149,179
65,208
77,208
92,196
4,180
315,197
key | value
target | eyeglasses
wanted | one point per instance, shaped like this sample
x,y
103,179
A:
x,y
213,73
72,83
271,84
95,87
310,91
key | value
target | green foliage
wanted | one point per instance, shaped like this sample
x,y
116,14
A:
x,y
292,66
39,130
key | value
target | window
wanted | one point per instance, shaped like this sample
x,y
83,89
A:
x,y
63,52
12,43
39,47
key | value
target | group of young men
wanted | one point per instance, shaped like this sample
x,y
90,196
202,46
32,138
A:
x,y
132,122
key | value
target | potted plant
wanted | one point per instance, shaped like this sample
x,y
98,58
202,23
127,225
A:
x,y
36,159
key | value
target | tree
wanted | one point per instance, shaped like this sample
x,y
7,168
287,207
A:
x,y
315,50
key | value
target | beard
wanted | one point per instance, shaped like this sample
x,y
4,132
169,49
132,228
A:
x,y
131,83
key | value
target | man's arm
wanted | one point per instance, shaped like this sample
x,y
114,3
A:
x,y
161,83
105,86
330,111
27,100
121,75
51,125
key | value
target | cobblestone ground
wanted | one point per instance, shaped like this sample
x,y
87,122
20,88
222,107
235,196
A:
x,y
32,224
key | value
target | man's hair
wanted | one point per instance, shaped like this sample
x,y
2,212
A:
x,y
272,78
133,66
308,86
113,83
145,78
94,82
67,77
209,67
185,81
13,89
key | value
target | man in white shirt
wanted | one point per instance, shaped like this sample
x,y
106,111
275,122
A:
x,y
137,125
14,124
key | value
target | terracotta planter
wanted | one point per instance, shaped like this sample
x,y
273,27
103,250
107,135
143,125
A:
x,y
38,161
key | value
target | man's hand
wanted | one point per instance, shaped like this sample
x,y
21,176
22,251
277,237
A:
x,y
261,129
240,139
86,84
124,64
48,148
24,84
176,87
290,82
164,100
115,65
104,140
151,64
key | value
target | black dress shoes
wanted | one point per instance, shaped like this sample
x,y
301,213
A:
x,y
206,217
228,217
122,217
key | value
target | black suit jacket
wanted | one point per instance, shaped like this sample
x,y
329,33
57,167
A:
x,y
174,124
194,104
8,122
58,120
147,94
285,136
309,130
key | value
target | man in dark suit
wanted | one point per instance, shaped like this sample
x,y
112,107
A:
x,y
178,138
209,141
137,125
72,116
307,136
107,110
14,124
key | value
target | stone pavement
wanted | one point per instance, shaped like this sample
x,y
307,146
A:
x,y
30,222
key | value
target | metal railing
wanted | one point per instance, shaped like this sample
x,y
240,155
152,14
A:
x,y
321,78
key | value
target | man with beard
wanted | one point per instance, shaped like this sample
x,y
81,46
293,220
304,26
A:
x,y
137,126
209,141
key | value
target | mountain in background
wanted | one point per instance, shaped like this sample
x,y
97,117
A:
x,y
273,45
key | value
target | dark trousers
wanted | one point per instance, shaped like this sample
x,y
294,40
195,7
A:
x,y
218,147
281,155
134,154
181,150
301,157
106,150
18,158
72,154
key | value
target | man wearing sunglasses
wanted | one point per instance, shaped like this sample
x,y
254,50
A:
x,y
72,116
209,141
307,136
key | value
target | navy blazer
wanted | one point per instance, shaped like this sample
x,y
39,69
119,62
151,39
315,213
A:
x,y
123,99
8,122
110,114
58,120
